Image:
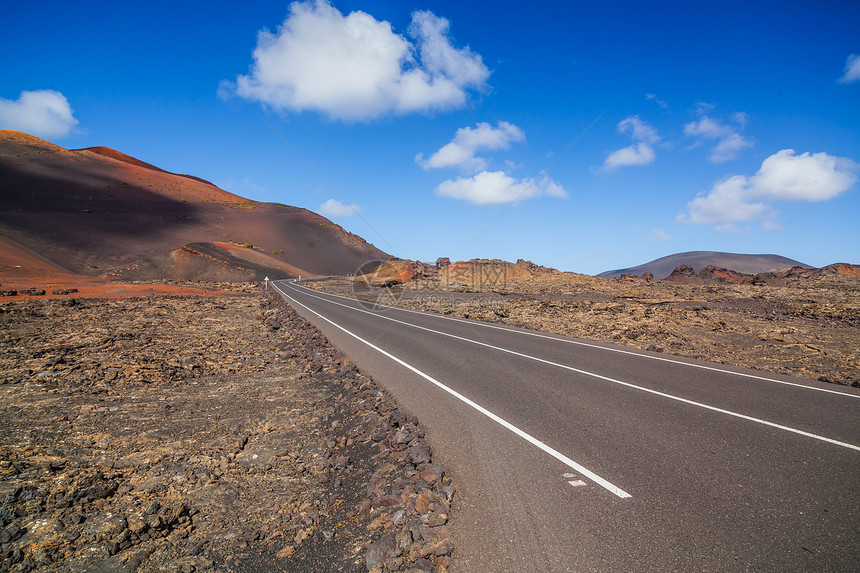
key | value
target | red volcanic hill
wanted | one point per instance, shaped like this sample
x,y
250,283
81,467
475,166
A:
x,y
100,212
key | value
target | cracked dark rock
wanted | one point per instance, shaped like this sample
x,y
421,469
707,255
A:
x,y
190,434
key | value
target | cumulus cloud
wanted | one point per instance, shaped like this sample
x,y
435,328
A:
x,y
355,67
728,202
784,176
494,187
852,70
641,152
461,151
335,209
45,113
730,141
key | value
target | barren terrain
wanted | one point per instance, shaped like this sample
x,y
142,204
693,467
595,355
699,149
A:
x,y
808,325
100,212
217,433
160,424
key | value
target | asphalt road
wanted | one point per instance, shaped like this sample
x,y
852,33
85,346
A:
x,y
571,455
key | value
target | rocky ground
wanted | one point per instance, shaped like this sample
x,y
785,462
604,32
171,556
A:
x,y
203,434
808,326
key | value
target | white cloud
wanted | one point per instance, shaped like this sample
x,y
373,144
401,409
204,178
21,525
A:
x,y
852,70
355,67
44,113
731,142
640,153
729,147
741,118
729,201
335,209
783,176
708,128
494,187
460,152
638,130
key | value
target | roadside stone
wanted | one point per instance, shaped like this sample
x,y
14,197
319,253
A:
x,y
435,518
421,565
250,535
431,474
382,550
162,405
434,534
418,454
13,532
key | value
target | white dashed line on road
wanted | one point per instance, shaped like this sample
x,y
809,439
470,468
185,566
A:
x,y
527,437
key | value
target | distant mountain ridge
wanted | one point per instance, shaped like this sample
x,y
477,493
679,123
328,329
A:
x,y
100,212
747,264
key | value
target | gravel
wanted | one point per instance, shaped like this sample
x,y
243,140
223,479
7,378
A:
x,y
192,434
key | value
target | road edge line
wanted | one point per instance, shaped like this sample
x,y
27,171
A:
x,y
504,423
601,377
561,338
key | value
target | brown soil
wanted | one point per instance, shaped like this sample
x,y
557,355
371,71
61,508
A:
x,y
21,269
214,262
802,323
217,433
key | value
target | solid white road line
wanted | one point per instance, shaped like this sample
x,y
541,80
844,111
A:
x,y
601,377
586,344
527,437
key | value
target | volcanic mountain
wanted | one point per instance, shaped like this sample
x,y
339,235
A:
x,y
100,212
747,264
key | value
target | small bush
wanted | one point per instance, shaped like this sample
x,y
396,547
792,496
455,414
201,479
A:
x,y
249,246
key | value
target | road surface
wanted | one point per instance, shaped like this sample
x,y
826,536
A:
x,y
571,455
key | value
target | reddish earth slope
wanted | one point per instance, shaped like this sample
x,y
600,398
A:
x,y
96,210
22,271
218,262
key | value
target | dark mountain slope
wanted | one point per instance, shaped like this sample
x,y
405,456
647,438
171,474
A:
x,y
96,210
747,264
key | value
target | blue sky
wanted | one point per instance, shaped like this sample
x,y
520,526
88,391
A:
x,y
582,136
